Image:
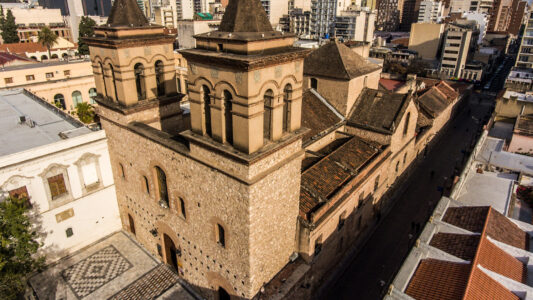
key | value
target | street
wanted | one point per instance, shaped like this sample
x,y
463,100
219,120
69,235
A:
x,y
369,273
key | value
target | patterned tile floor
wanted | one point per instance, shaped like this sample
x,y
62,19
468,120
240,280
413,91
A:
x,y
105,269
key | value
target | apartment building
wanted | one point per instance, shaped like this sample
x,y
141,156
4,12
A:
x,y
356,24
525,54
297,22
323,16
184,9
430,12
165,13
30,21
388,18
275,10
456,47
425,38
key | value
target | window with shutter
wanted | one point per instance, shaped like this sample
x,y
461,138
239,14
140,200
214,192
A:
x,y
90,175
21,193
57,186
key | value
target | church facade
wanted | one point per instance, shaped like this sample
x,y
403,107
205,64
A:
x,y
258,169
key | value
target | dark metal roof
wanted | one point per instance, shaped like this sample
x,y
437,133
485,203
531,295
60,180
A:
x,y
335,60
245,16
126,13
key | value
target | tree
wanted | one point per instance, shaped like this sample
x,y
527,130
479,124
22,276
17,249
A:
x,y
418,67
2,18
18,248
86,29
47,38
85,112
9,29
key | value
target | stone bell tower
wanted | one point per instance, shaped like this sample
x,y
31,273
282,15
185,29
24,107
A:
x,y
245,93
132,60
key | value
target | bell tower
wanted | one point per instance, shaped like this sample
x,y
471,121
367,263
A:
x,y
133,61
245,81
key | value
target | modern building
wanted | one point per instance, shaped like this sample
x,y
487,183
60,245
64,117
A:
x,y
323,16
297,22
30,21
62,168
275,10
64,83
426,38
389,15
187,29
266,131
507,16
456,47
184,9
410,14
525,53
355,24
165,13
430,12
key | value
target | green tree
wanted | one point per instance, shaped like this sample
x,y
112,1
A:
x,y
9,29
85,112
418,67
86,29
2,18
18,248
47,38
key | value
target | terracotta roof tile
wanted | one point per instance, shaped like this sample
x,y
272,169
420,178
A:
x,y
504,230
391,84
433,101
461,245
8,57
495,259
438,279
469,218
447,90
378,110
316,116
483,287
22,48
323,179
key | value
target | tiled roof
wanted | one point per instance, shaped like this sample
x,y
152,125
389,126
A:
x,y
126,13
438,279
8,57
378,110
461,245
316,116
401,41
504,230
323,179
391,84
481,286
433,101
245,16
495,259
335,60
469,218
447,90
22,48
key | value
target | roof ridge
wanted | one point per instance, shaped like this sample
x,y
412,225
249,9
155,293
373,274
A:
x,y
328,105
476,255
345,68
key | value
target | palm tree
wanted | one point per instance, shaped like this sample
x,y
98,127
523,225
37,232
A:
x,y
47,38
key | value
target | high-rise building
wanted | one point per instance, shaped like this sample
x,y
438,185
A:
x,y
323,16
430,11
525,53
388,18
276,9
356,24
90,7
455,50
184,9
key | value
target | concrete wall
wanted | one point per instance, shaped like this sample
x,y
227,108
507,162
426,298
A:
x,y
425,39
93,210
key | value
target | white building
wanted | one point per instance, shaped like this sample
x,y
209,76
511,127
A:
x,y
184,9
275,10
62,167
164,12
187,29
356,24
482,20
430,12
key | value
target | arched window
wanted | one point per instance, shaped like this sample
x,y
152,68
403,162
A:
x,y
405,158
397,166
182,208
221,236
54,56
207,108
406,126
33,57
376,183
267,117
365,80
287,96
103,79
114,81
227,116
64,55
159,78
92,94
59,101
139,81
162,186
314,83
44,57
76,98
